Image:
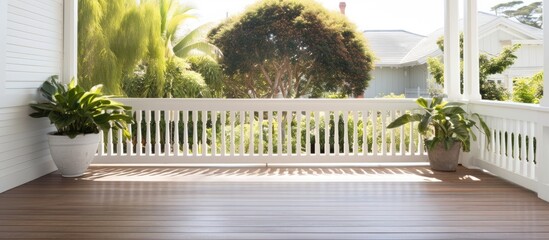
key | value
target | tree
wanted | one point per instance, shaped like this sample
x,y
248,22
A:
x,y
530,14
528,90
488,66
291,47
113,36
127,46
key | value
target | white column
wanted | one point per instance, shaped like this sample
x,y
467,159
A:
x,y
471,84
70,44
451,50
545,100
542,166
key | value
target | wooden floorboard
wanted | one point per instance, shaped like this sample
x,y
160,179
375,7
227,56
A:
x,y
272,203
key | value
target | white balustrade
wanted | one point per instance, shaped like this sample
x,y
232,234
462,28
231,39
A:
x,y
264,131
513,151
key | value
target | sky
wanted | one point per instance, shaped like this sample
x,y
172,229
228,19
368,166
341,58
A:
x,y
417,16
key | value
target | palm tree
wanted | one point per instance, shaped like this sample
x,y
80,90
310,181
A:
x,y
121,39
113,36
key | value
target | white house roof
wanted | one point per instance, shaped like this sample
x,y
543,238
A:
x,y
385,43
390,46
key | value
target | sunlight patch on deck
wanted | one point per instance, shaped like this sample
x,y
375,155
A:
x,y
276,174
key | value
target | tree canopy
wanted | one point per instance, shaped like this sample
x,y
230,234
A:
x,y
530,14
113,36
487,65
294,48
130,46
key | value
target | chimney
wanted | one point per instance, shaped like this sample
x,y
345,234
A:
x,y
342,6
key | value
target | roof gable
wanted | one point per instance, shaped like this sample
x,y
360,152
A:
x,y
427,47
390,46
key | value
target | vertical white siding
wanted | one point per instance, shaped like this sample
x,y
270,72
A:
x,y
529,56
31,46
386,80
417,76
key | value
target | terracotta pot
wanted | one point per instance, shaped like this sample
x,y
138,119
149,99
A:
x,y
73,156
444,160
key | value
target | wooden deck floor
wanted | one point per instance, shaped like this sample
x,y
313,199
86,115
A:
x,y
272,203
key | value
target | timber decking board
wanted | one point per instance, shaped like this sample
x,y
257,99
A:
x,y
272,203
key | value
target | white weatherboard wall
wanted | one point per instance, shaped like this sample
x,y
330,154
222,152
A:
x,y
31,50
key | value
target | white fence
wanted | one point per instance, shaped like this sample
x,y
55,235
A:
x,y
264,131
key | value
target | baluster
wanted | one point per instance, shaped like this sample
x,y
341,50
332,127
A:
x,y
101,147
110,146
251,150
499,162
279,131
148,147
176,133
420,143
289,116
481,143
531,155
195,132
383,133
223,133
204,133
336,133
157,149
516,149
242,118
411,144
327,133
402,144
186,133
232,120
492,152
523,147
365,132
213,147
355,132
119,143
260,129
317,133
307,133
374,132
168,136
298,133
270,119
508,145
139,140
129,144
346,133
392,144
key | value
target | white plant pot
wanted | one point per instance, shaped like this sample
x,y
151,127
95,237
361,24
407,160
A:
x,y
73,156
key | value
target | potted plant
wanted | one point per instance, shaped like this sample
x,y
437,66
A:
x,y
446,128
78,116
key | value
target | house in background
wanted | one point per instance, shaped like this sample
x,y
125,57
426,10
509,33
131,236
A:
x,y
401,65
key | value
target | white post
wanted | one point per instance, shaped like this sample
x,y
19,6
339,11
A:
x,y
471,82
451,50
545,100
70,44
542,165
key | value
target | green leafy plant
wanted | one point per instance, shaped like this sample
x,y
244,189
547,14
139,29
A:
x,y
444,122
75,111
